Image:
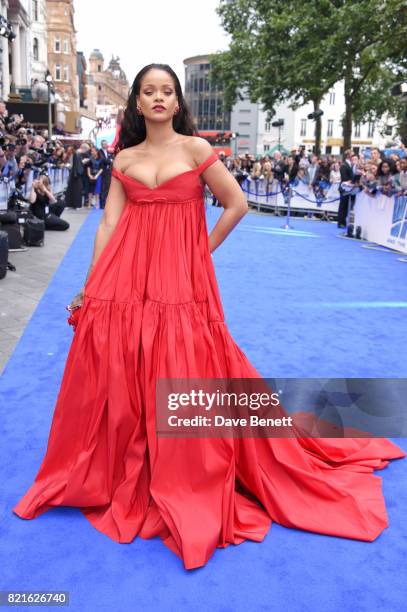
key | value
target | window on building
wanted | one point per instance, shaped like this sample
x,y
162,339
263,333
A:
x,y
35,10
303,130
266,147
57,44
99,87
331,98
357,130
35,49
57,72
370,129
66,72
330,129
99,67
267,125
66,45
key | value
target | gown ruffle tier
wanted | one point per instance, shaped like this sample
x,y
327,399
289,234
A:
x,y
152,309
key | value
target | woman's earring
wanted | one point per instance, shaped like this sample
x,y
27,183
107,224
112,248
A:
x,y
139,111
176,110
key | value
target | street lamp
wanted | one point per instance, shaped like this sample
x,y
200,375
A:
x,y
48,80
278,124
315,114
400,89
314,117
234,139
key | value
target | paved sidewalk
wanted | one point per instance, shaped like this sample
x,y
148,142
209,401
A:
x,y
21,291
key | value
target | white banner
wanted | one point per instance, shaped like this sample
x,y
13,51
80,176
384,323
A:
x,y
383,219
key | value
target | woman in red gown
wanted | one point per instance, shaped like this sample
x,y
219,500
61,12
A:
x,y
150,308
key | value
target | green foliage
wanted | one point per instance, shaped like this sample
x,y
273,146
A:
x,y
298,50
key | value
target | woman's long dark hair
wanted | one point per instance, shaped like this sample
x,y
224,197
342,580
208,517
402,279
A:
x,y
390,163
133,127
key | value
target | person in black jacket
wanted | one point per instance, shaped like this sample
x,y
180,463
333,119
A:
x,y
73,195
107,159
346,177
44,205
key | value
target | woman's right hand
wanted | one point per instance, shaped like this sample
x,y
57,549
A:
x,y
77,300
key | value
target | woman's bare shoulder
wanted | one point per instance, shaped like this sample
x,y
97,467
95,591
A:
x,y
199,148
124,157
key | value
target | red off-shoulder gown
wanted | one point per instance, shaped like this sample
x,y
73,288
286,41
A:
x,y
152,309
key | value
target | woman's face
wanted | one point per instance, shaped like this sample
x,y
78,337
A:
x,y
385,168
157,89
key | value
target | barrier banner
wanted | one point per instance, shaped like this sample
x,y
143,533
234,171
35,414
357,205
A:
x,y
383,219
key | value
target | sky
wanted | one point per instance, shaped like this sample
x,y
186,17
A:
x,y
150,31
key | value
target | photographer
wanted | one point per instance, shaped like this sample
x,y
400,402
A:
x,y
23,171
8,162
45,206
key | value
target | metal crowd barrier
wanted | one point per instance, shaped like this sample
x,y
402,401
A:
x,y
264,193
58,179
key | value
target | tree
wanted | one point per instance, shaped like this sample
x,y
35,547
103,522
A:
x,y
370,34
269,54
375,102
298,50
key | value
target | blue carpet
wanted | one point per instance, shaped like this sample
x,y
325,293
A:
x,y
302,303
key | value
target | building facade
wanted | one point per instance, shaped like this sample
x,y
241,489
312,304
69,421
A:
x,y
299,130
15,54
204,98
4,57
62,61
244,122
106,86
38,56
81,67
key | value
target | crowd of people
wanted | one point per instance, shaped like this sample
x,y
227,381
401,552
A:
x,y
371,172
90,174
374,172
26,153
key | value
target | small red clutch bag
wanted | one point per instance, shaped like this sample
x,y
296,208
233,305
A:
x,y
74,317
